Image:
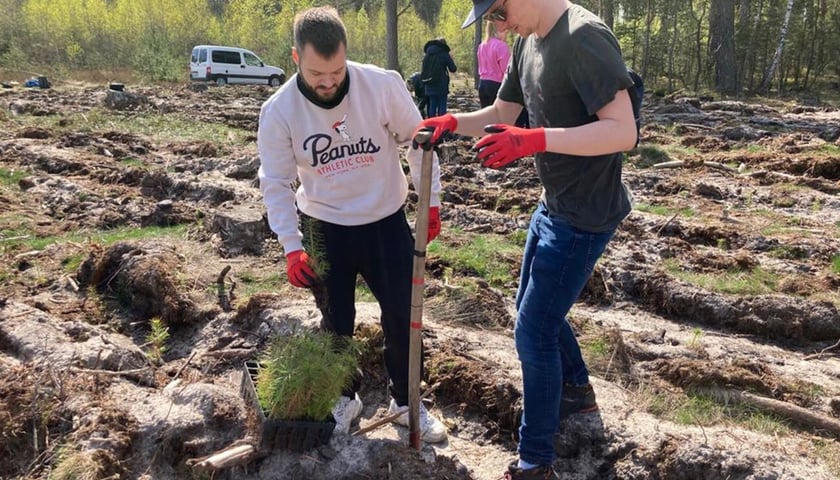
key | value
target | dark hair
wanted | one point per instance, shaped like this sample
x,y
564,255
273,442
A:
x,y
322,28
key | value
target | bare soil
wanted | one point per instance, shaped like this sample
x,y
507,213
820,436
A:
x,y
741,191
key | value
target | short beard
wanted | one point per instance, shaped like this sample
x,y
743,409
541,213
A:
x,y
320,97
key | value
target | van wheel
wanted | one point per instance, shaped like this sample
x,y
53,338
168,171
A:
x,y
221,81
275,81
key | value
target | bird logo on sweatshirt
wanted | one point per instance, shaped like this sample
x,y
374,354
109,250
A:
x,y
341,128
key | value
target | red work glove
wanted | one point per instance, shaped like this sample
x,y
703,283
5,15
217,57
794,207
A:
x,y
434,223
298,269
507,143
439,126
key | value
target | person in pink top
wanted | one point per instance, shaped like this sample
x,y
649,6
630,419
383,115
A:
x,y
493,56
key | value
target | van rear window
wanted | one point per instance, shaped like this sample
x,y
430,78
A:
x,y
199,55
226,56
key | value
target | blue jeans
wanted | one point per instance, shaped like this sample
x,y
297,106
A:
x,y
557,263
437,105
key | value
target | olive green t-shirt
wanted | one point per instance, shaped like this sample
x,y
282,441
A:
x,y
563,79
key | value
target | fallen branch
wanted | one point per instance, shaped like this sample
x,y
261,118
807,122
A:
x,y
766,173
178,373
667,222
391,417
796,414
224,300
683,163
671,164
136,371
228,457
720,166
820,353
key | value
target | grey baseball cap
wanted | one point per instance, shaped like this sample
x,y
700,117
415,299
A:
x,y
480,7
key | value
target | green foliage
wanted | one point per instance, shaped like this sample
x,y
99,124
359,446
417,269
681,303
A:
x,y
103,237
10,178
155,60
518,237
156,339
491,257
698,410
648,155
756,281
695,343
72,263
835,264
303,375
313,242
663,210
252,284
667,43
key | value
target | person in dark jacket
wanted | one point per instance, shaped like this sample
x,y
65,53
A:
x,y
437,64
415,85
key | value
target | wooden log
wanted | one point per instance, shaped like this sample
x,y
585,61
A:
x,y
228,457
794,413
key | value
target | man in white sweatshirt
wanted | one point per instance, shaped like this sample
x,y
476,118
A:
x,y
336,126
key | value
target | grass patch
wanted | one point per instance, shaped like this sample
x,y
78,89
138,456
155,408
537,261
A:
x,y
698,410
75,465
828,149
649,155
835,264
756,281
72,263
702,410
108,237
133,162
250,284
10,178
491,257
793,252
160,126
664,211
363,293
829,452
518,238
788,226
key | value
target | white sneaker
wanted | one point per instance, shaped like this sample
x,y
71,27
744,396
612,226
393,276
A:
x,y
433,429
345,411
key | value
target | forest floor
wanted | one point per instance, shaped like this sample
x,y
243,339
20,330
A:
x,y
710,326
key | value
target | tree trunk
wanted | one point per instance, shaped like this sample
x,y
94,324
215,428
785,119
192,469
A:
x,y
650,17
392,58
722,44
698,42
479,29
743,42
765,84
672,45
608,12
753,61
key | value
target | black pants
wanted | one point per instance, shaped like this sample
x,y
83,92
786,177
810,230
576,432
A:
x,y
422,105
382,252
487,91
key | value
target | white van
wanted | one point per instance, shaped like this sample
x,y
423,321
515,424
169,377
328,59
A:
x,y
214,63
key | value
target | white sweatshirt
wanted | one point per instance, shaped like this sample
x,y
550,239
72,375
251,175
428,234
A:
x,y
347,157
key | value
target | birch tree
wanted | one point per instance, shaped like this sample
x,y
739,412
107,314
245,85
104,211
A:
x,y
765,84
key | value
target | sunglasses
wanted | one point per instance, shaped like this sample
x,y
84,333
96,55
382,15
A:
x,y
497,15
